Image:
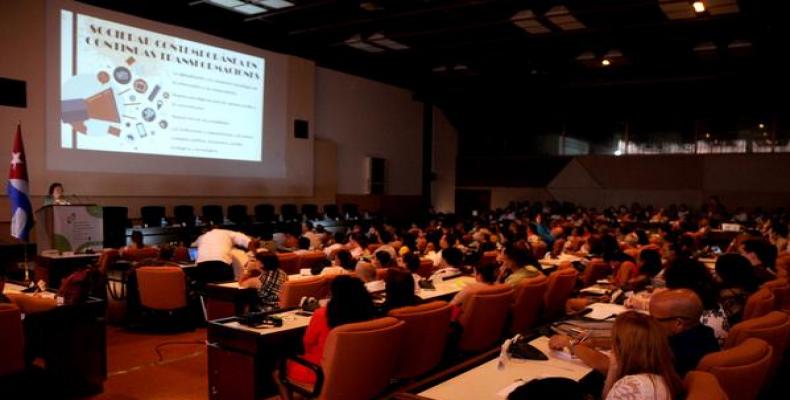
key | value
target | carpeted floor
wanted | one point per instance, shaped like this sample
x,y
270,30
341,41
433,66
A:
x,y
137,371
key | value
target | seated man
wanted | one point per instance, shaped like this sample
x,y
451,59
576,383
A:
x,y
678,311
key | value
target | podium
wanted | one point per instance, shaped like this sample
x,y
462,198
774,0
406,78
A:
x,y
74,228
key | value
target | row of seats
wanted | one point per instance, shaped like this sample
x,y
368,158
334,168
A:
x,y
238,213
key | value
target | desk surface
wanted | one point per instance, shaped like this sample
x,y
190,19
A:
x,y
446,288
290,319
14,288
69,257
488,382
553,262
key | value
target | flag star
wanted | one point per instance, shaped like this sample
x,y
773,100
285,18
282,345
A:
x,y
16,158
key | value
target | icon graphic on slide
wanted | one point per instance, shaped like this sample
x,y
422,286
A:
x,y
100,106
122,75
140,86
149,114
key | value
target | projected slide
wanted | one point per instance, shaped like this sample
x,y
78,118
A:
x,y
125,89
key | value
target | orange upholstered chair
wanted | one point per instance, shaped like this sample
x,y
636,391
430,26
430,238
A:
x,y
312,259
527,304
758,304
595,270
539,250
488,257
483,317
107,258
426,268
373,247
560,287
162,288
357,364
773,327
292,291
140,254
424,337
781,291
12,340
181,254
289,262
740,370
703,386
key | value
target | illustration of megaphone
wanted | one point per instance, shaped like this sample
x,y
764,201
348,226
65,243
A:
x,y
100,106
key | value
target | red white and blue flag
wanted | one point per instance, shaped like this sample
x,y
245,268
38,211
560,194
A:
x,y
18,192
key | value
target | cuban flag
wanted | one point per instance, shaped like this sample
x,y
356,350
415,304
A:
x,y
17,189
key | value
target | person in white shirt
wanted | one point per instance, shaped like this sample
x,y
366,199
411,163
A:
x,y
340,243
315,238
214,254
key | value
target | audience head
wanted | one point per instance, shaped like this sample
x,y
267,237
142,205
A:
x,y
269,261
453,257
759,252
517,256
345,260
350,302
399,289
735,270
340,238
366,271
412,262
137,238
640,346
267,235
650,262
166,252
383,259
487,273
676,310
687,273
303,243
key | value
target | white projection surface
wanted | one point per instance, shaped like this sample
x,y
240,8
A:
x,y
130,90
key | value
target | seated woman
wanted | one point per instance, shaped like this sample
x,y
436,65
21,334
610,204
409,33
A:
x,y
649,266
485,275
737,283
642,361
349,302
398,290
517,265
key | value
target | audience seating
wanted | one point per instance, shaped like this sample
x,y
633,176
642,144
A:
x,y
740,370
527,304
773,327
357,364
424,337
350,210
184,215
560,287
312,259
162,288
292,291
212,214
115,220
703,386
426,268
289,212
12,340
289,262
595,270
483,317
265,213
152,215
488,257
146,253
781,291
237,214
759,304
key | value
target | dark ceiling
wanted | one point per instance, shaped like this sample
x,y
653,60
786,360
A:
x,y
471,59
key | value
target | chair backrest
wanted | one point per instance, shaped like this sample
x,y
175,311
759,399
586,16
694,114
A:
x,y
539,250
758,304
264,213
359,358
560,286
184,214
773,327
424,337
781,292
292,291
152,215
426,268
310,211
331,211
107,258
740,370
595,270
311,259
351,209
527,304
237,213
162,288
483,317
289,212
140,254
703,386
488,257
212,214
289,262
12,340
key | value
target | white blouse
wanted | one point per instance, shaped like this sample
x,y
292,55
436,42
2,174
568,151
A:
x,y
639,387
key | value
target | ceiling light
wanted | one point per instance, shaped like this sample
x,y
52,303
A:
x,y
276,4
249,9
761,126
707,135
586,56
614,53
618,153
227,3
699,6
605,62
